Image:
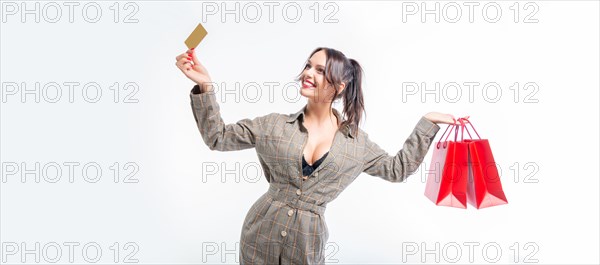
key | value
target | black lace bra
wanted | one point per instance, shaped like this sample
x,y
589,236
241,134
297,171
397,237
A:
x,y
308,169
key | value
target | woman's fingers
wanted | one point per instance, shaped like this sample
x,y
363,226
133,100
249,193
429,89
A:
x,y
193,56
189,64
182,61
465,119
197,62
187,58
183,64
185,55
447,118
189,53
454,121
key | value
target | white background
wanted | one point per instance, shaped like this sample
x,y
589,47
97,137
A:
x,y
547,150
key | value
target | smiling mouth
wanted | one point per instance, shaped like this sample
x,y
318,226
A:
x,y
308,84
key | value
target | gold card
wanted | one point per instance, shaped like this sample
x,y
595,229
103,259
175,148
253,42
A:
x,y
196,37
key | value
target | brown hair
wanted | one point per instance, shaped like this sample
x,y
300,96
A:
x,y
338,69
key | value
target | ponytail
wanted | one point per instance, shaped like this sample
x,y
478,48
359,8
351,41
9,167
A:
x,y
354,104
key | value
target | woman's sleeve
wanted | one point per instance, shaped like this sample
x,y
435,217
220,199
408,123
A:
x,y
220,136
377,162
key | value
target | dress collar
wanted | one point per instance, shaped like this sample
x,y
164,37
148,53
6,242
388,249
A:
x,y
345,129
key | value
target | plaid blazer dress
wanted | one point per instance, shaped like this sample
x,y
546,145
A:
x,y
286,225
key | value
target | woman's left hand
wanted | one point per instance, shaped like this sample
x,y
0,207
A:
x,y
437,117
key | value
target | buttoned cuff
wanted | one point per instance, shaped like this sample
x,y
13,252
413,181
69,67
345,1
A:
x,y
427,127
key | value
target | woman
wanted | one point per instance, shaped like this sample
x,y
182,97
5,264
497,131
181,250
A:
x,y
308,157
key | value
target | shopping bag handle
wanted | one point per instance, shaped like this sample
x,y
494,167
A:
x,y
463,121
445,140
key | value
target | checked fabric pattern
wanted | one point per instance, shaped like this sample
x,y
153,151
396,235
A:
x,y
286,225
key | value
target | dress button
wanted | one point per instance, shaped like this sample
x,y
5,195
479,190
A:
x,y
298,192
283,233
290,212
316,174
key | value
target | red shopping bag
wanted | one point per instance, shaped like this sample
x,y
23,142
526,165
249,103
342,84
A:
x,y
484,188
447,181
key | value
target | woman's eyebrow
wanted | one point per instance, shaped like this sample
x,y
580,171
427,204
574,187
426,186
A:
x,y
317,64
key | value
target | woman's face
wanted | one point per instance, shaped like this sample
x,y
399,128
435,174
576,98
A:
x,y
314,86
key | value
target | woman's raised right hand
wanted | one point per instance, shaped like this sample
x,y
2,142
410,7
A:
x,y
194,70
